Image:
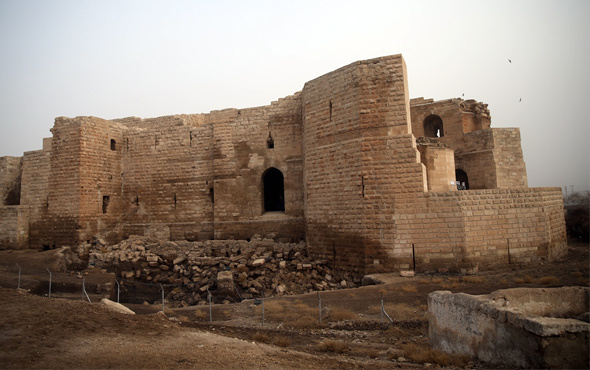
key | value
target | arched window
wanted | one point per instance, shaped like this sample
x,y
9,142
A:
x,y
433,126
274,190
462,180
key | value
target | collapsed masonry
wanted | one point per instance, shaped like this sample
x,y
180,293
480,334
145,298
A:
x,y
371,180
231,270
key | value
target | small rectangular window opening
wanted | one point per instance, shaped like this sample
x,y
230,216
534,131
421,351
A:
x,y
363,186
105,203
113,144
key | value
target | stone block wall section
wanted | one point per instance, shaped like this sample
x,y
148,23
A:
x,y
11,169
333,178
467,231
167,176
13,218
35,190
14,227
358,155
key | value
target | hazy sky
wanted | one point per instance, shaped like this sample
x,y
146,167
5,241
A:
x,y
114,59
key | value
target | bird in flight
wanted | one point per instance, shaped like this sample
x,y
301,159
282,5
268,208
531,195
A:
x,y
509,61
520,100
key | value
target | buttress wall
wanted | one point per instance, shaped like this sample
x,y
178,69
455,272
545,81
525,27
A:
x,y
359,154
35,192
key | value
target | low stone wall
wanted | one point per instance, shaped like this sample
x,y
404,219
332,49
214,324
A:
x,y
521,327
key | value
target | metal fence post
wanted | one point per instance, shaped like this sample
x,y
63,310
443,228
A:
x,y
210,311
19,270
118,289
382,308
84,290
161,286
49,296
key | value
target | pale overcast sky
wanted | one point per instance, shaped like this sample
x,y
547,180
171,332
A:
x,y
114,59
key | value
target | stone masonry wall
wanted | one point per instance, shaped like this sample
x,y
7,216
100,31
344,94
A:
x,y
440,166
243,157
358,156
101,180
167,176
14,227
464,231
510,167
333,181
10,180
55,218
35,189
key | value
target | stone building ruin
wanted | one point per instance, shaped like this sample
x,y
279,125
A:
x,y
368,177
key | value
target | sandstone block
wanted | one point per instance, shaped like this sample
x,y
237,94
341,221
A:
x,y
258,262
117,307
180,259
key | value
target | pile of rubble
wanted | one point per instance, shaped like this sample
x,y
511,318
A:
x,y
230,270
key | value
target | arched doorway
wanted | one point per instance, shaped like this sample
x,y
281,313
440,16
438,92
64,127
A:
x,y
433,126
274,190
462,180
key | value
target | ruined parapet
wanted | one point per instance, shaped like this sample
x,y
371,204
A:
x,y
475,107
520,327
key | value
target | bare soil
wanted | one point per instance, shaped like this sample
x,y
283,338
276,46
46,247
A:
x,y
38,332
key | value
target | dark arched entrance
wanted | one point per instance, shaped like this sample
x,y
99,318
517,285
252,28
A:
x,y
462,180
274,190
433,126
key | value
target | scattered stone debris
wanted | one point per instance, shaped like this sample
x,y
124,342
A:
x,y
231,270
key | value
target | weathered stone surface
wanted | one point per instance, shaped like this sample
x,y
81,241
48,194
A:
x,y
521,327
117,307
180,259
258,262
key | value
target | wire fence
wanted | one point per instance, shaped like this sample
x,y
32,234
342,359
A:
x,y
295,310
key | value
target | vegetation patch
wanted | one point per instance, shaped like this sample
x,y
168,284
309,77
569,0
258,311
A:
x,y
423,355
333,346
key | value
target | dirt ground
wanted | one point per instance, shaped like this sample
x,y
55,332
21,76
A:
x,y
38,332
